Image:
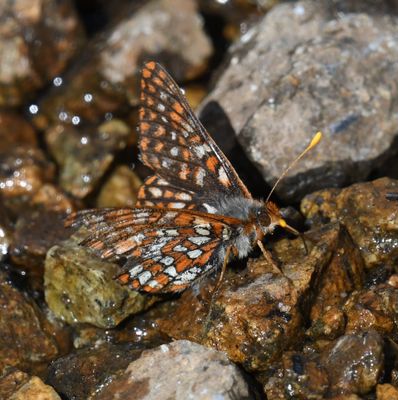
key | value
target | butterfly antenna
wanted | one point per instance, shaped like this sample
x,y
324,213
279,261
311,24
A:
x,y
315,140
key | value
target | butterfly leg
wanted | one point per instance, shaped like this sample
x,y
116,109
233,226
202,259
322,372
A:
x,y
268,257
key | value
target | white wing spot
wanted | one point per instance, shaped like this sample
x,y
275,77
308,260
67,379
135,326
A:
x,y
135,270
161,107
162,182
174,151
166,163
171,271
163,95
184,196
210,209
199,150
155,192
199,177
171,232
222,176
164,119
199,240
181,249
144,277
167,260
226,233
173,135
153,283
202,231
194,253
177,205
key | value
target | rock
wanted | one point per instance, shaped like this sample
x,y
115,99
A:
x,y
80,287
23,171
52,199
300,376
37,40
386,392
355,363
84,371
180,370
373,309
35,233
369,217
17,385
166,30
85,155
5,232
15,131
23,342
257,315
120,190
307,67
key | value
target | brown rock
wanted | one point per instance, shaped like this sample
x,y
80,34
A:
x,y
37,40
283,83
20,323
35,233
80,287
181,370
300,377
355,363
85,371
22,173
369,217
375,308
15,131
386,392
85,155
256,316
120,190
168,30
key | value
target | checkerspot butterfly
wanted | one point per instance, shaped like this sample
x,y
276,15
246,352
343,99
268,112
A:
x,y
192,215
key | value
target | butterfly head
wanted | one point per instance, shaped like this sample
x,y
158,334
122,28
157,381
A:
x,y
269,217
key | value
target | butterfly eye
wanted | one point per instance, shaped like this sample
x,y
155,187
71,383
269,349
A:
x,y
263,217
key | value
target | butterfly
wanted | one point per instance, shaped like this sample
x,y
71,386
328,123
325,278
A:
x,y
192,215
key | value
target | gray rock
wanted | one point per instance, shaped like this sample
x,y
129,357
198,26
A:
x,y
305,68
180,370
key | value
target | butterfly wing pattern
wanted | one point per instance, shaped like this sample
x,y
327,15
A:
x,y
175,234
165,250
191,172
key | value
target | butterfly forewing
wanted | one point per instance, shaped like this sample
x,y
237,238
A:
x,y
175,145
164,250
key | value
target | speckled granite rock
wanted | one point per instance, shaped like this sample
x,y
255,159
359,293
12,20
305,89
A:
x,y
306,67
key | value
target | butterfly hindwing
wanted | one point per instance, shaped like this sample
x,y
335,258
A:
x,y
164,249
176,146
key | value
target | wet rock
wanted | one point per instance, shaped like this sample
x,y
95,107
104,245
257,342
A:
x,y
17,385
80,287
386,392
37,40
375,308
306,67
167,30
35,233
257,315
5,231
23,171
300,376
369,217
180,370
355,363
15,131
85,154
52,199
23,342
84,371
120,190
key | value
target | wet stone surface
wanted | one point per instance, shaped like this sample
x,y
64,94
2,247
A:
x,y
308,64
85,371
37,40
106,81
84,155
20,321
80,287
180,370
369,217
